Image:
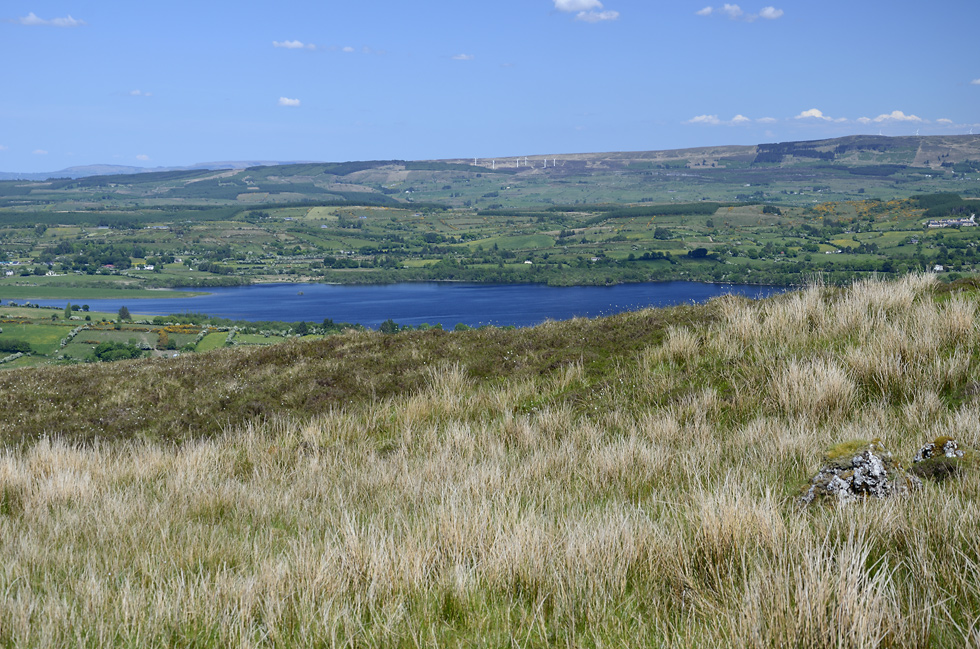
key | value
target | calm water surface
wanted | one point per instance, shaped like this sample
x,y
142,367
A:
x,y
434,302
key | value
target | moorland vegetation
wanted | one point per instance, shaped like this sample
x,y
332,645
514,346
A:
x,y
625,481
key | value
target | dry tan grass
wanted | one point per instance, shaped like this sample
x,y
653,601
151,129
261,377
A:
x,y
656,507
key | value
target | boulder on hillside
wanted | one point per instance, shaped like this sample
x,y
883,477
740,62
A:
x,y
940,459
857,470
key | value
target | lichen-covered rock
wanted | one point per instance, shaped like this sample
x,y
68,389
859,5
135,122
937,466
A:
x,y
938,460
856,470
941,447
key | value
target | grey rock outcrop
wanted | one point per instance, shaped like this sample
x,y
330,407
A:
x,y
939,460
859,470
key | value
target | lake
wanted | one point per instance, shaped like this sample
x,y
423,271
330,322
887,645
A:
x,y
446,303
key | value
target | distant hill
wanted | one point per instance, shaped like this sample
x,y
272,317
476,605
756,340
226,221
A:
x,y
919,151
849,168
932,151
84,171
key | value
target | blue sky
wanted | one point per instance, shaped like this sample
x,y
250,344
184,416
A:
x,y
174,83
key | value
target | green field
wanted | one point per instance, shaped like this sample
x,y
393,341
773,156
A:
x,y
212,341
9,290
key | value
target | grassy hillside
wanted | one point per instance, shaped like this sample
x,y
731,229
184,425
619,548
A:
x,y
626,481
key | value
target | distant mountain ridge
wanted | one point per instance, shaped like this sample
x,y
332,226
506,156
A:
x,y
929,151
85,171
911,151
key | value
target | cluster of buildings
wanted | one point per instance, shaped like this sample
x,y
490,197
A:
x,y
952,223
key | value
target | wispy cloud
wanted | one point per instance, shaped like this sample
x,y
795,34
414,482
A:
x,y
711,120
347,50
2,148
32,20
944,120
463,57
39,152
294,45
589,11
143,157
975,82
732,11
577,5
714,120
596,16
767,120
286,101
735,12
140,93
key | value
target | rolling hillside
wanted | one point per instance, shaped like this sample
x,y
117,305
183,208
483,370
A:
x,y
626,481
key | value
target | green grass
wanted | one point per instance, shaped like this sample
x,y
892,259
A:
x,y
43,336
212,341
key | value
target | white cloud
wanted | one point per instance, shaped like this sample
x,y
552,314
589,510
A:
x,y
32,20
813,113
294,45
2,148
732,11
589,11
975,82
596,16
463,57
897,116
863,120
577,5
713,120
735,12
347,49
286,101
767,120
67,21
39,152
704,119
142,157
140,93
944,120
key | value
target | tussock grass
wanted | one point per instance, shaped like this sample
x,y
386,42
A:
x,y
629,481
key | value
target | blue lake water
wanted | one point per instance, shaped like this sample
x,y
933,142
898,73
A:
x,y
432,302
